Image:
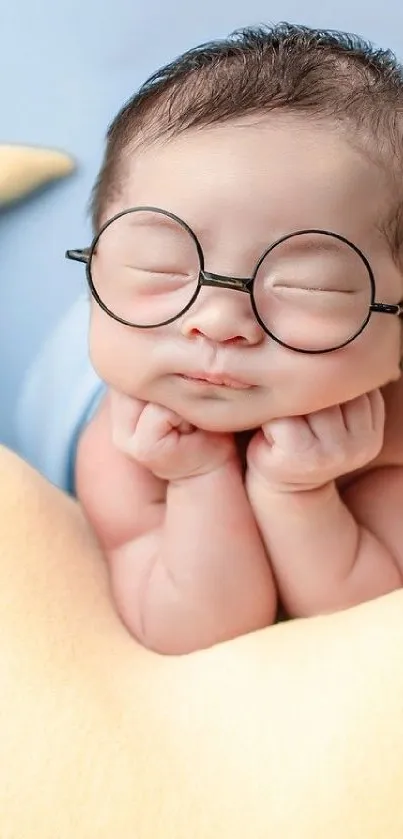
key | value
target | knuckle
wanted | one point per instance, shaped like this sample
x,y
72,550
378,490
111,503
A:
x,y
152,414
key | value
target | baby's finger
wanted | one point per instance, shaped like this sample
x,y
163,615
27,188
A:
x,y
156,422
125,413
154,425
291,434
328,424
377,408
172,420
358,415
185,427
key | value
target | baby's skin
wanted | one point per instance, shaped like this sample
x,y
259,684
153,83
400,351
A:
x,y
224,474
188,567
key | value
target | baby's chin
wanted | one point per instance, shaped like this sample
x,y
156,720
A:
x,y
220,417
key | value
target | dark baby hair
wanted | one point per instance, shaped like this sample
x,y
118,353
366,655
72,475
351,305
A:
x,y
323,75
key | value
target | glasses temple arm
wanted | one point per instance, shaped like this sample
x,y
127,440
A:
x,y
79,255
388,308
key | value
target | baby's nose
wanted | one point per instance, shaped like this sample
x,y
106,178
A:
x,y
223,316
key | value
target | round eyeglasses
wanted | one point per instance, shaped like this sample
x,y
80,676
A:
x,y
312,291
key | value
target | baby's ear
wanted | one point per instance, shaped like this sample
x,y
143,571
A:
x,y
24,169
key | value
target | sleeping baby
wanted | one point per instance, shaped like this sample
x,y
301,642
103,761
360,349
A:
x,y
246,301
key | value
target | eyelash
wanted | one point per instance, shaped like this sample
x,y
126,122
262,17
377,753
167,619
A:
x,y
321,290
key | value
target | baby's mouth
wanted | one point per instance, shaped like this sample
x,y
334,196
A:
x,y
216,380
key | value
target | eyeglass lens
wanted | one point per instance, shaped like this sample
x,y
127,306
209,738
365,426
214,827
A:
x,y
311,291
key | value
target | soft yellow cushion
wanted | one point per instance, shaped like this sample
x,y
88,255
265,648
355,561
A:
x,y
25,168
293,733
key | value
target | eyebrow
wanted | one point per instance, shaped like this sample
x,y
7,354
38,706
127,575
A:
x,y
297,243
314,242
153,218
150,217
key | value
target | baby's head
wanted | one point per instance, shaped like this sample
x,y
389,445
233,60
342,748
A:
x,y
241,143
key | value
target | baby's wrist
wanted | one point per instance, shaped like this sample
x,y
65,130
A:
x,y
211,471
258,481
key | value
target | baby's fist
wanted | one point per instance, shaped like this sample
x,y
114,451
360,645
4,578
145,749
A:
x,y
299,453
164,443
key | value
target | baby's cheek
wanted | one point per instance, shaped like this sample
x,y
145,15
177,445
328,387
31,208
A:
x,y
379,361
103,351
366,364
118,354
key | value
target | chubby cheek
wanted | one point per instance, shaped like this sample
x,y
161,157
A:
x,y
369,363
121,356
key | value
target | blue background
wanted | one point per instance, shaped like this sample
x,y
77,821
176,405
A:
x,y
65,69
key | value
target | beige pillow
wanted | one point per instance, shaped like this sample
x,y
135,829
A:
x,y
25,168
292,733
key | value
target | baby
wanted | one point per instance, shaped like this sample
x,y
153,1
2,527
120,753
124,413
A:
x,y
246,300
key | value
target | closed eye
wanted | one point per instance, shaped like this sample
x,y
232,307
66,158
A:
x,y
153,280
317,289
157,272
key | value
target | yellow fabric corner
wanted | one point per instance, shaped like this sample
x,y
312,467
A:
x,y
26,168
295,732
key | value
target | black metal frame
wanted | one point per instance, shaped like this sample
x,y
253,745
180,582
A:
x,y
206,278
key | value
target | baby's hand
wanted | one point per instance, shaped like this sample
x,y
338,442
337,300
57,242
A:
x,y
164,443
298,453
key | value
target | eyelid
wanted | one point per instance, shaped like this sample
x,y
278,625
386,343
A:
x,y
296,287
150,270
156,274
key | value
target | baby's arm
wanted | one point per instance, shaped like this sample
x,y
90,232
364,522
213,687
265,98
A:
x,y
328,552
188,568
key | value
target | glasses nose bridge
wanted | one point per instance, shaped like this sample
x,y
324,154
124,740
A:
x,y
208,278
